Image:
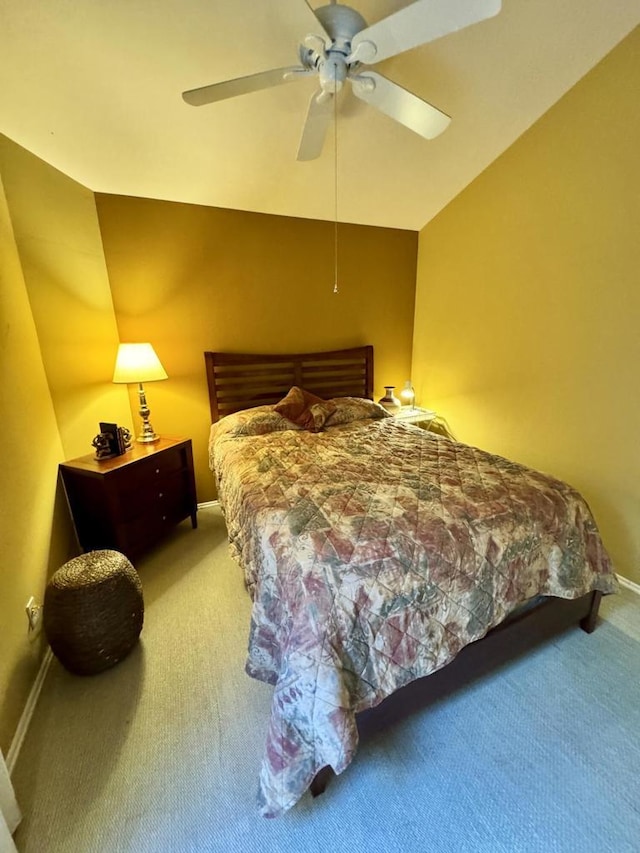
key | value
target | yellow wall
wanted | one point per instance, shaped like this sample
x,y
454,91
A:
x,y
528,301
29,454
56,228
190,278
58,341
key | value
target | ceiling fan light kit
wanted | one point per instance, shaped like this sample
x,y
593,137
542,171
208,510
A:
x,y
340,51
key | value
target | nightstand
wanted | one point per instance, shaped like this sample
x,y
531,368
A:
x,y
129,502
414,415
426,419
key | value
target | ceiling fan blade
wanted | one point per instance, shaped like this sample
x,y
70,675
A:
x,y
318,27
315,127
399,104
242,85
419,23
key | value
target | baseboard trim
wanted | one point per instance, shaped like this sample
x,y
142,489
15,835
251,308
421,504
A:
x,y
634,587
27,714
206,504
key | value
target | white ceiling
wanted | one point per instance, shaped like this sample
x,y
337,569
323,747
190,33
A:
x,y
94,87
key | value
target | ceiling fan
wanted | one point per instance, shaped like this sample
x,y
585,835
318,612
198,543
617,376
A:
x,y
342,48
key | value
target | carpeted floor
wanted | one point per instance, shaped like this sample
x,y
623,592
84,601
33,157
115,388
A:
x,y
161,753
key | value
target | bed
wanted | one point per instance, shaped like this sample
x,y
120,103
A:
x,y
374,552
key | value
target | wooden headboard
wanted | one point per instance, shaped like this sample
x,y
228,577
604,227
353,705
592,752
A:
x,y
244,380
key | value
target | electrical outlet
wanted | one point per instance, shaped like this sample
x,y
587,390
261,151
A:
x,y
34,615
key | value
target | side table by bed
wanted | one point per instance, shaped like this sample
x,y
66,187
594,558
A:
x,y
426,419
129,502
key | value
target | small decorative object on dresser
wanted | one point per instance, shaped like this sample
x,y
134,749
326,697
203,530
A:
x,y
102,445
112,440
127,503
390,401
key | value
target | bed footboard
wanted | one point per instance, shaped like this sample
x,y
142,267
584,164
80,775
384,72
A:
x,y
550,617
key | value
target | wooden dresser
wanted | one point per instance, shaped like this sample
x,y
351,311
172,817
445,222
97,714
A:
x,y
129,502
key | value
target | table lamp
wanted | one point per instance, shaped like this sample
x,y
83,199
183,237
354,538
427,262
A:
x,y
138,363
408,395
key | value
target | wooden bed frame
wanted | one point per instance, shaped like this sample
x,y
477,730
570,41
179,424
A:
x,y
244,380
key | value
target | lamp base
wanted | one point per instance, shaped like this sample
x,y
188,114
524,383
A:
x,y
147,435
148,439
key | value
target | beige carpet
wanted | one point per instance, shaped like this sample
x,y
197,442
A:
x,y
127,744
162,752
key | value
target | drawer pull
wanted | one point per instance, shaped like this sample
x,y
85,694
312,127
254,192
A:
x,y
164,517
160,495
157,470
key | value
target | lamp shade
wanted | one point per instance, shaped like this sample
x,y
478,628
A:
x,y
138,363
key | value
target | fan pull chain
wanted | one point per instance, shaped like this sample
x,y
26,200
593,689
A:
x,y
335,192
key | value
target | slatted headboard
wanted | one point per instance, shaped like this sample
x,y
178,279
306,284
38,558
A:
x,y
243,380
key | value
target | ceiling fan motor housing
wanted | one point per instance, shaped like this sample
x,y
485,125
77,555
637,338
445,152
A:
x,y
341,23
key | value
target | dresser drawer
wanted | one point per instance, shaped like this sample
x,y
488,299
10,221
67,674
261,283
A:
x,y
134,499
136,534
146,472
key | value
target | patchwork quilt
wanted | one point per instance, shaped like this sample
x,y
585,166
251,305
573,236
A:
x,y
374,552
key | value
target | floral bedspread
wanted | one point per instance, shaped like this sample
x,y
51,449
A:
x,y
374,552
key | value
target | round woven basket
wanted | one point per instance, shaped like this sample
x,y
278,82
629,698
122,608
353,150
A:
x,y
93,611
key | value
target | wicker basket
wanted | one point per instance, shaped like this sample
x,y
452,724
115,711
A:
x,y
93,611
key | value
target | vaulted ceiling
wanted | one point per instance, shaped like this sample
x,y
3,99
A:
x,y
94,88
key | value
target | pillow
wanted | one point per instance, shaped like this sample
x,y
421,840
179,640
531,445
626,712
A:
x,y
263,423
350,409
305,409
257,421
